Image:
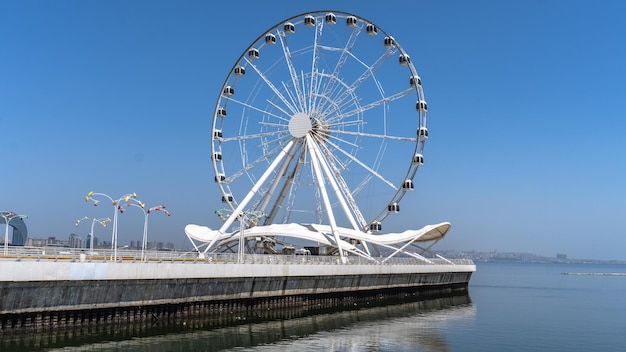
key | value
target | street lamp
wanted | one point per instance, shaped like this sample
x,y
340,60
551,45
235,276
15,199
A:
x,y
102,221
246,219
8,216
146,213
115,203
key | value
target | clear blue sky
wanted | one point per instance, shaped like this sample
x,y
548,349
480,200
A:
x,y
525,100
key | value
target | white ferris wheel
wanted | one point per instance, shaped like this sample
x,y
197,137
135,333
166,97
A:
x,y
321,122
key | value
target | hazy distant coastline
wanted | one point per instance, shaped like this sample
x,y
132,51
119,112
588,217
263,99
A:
x,y
495,256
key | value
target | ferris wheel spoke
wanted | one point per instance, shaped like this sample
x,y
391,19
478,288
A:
x,y
251,165
255,136
368,73
378,136
314,65
362,184
343,124
274,124
375,104
314,94
290,94
345,142
363,165
271,86
343,58
292,69
265,112
281,110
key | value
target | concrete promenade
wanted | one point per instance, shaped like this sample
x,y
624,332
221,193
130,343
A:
x,y
36,285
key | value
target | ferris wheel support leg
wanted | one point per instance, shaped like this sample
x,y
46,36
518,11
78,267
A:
x,y
257,186
341,188
320,179
335,187
282,171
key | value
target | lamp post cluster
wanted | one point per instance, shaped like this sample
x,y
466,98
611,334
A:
x,y
8,216
118,207
102,221
146,215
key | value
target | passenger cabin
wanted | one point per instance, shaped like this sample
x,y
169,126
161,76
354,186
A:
x,y
227,198
240,71
309,21
389,42
220,178
407,185
376,226
331,18
393,207
352,21
404,60
422,133
228,91
221,112
270,39
421,106
217,134
289,28
217,156
254,53
371,29
418,159
415,81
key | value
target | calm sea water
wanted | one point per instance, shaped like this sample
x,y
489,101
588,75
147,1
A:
x,y
510,307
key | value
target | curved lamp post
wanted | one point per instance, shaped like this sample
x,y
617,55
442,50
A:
x,y
8,216
115,203
146,215
245,219
102,221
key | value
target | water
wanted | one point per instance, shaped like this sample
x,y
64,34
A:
x,y
510,307
533,307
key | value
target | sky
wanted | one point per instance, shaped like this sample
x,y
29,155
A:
x,y
526,150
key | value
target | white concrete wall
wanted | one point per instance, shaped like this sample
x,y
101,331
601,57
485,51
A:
x,y
66,270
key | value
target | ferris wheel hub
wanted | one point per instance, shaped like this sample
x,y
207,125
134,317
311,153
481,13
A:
x,y
321,129
299,125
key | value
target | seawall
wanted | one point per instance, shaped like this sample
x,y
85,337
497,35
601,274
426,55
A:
x,y
50,291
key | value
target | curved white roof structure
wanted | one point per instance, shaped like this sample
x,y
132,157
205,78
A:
x,y
409,242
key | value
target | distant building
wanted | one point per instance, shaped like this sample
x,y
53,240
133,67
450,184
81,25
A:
x,y
53,242
19,233
561,256
76,242
36,242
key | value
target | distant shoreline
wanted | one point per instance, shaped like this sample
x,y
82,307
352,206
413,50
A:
x,y
595,274
515,257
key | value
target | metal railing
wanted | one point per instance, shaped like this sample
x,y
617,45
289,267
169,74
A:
x,y
130,255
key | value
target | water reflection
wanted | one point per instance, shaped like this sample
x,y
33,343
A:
x,y
363,326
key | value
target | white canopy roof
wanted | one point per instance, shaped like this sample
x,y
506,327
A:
x,y
321,234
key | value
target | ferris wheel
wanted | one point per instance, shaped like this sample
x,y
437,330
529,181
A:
x,y
321,120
